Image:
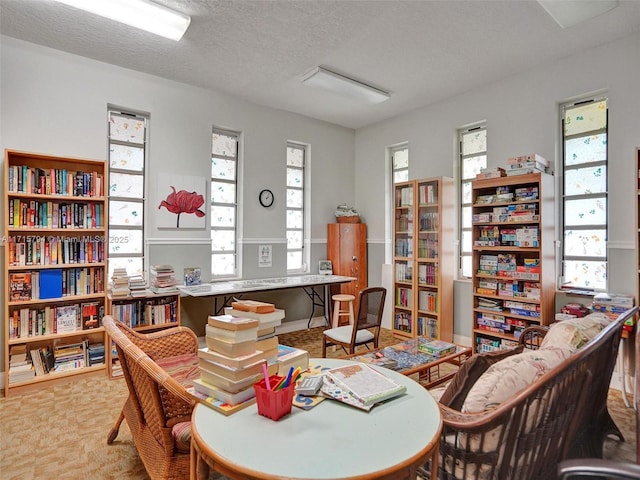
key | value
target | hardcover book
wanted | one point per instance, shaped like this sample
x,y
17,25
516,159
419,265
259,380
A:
x,y
204,388
233,374
233,362
233,336
19,286
231,349
229,322
253,306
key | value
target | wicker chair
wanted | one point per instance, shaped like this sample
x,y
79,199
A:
x,y
562,414
157,402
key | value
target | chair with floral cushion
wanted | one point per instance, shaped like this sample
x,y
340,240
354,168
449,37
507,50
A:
x,y
158,409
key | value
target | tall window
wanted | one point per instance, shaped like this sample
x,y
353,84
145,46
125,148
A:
x,y
224,203
584,202
473,158
296,157
127,159
400,163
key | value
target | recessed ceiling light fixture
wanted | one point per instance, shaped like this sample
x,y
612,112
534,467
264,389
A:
x,y
568,13
336,83
141,14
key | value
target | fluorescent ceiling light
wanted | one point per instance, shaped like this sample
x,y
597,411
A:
x,y
336,83
571,12
141,14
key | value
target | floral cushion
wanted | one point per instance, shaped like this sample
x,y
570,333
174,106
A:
x,y
575,332
511,375
181,433
469,373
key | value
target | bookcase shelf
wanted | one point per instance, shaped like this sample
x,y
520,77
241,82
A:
x,y
55,217
137,313
513,257
423,259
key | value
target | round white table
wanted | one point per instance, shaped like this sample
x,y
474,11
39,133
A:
x,y
330,441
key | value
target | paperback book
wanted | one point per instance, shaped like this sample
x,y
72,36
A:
x,y
364,383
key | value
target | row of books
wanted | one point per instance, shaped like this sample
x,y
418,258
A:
x,y
55,250
52,214
55,283
54,181
38,361
48,320
428,247
404,297
151,311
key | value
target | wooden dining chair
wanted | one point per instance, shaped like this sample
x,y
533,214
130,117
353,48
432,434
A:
x,y
366,328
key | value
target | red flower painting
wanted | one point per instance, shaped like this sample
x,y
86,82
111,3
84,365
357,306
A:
x,y
183,202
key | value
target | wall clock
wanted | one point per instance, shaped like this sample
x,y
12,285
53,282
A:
x,y
266,198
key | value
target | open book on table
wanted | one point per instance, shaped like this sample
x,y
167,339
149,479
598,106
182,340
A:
x,y
360,385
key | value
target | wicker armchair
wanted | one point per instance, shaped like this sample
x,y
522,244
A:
x,y
563,413
157,402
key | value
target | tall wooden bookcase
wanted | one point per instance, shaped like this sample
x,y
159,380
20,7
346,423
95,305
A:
x,y
149,313
55,225
423,258
513,257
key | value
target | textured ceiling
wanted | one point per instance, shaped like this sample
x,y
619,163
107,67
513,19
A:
x,y
420,51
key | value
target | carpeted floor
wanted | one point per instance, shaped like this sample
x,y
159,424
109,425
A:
x,y
61,431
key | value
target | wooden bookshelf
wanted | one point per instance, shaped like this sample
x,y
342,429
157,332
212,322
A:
x,y
423,259
55,265
513,257
148,313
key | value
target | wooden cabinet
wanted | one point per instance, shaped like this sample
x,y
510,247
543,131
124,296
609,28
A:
x,y
152,312
513,257
55,224
423,258
347,250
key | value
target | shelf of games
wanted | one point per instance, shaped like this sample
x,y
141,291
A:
x,y
148,313
54,268
423,258
513,257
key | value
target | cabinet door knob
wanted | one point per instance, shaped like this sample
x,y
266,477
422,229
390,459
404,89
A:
x,y
354,258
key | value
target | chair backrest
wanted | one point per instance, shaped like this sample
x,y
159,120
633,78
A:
x,y
155,395
370,307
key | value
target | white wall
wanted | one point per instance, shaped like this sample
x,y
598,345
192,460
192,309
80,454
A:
x,y
56,103
522,116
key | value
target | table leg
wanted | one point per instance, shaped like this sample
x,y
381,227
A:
x,y
434,460
316,301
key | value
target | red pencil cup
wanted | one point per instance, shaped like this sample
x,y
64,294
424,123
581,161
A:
x,y
274,404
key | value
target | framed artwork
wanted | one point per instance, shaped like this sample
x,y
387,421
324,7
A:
x,y
181,202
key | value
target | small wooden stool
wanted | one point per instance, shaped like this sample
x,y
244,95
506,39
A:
x,y
346,312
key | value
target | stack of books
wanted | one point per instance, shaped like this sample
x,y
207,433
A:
x,y
163,279
119,283
268,316
231,363
138,286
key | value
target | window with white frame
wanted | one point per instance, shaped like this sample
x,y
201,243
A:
x,y
473,158
296,159
127,161
584,198
400,163
224,203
